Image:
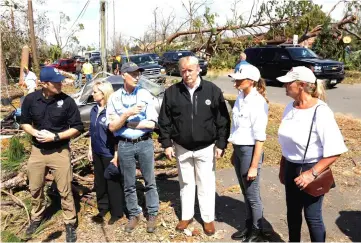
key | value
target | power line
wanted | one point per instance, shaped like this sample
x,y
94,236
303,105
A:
x,y
81,14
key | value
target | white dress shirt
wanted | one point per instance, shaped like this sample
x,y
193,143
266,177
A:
x,y
326,139
30,81
250,117
191,90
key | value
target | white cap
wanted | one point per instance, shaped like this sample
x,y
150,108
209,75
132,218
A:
x,y
300,73
246,71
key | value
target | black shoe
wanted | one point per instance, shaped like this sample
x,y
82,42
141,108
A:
x,y
241,234
99,218
32,228
70,233
113,219
254,236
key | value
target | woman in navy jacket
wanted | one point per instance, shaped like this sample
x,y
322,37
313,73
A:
x,y
103,151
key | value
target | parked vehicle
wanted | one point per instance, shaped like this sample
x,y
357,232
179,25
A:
x,y
85,102
152,70
96,60
154,56
275,61
91,54
170,61
65,64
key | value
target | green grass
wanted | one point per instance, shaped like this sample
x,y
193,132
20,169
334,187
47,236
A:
x,y
14,155
7,236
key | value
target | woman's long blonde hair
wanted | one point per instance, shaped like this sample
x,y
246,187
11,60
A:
x,y
316,90
261,88
106,88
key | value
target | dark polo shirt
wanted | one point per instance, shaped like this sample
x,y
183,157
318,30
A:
x,y
56,114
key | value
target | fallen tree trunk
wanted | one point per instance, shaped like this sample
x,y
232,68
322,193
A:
x,y
15,182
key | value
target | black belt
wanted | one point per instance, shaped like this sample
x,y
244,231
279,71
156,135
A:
x,y
136,140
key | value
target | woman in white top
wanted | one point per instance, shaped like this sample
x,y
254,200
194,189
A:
x,y
248,133
325,146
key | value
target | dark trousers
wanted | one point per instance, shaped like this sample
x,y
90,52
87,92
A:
x,y
110,194
250,189
297,200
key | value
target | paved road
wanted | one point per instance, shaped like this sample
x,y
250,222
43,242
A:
x,y
343,98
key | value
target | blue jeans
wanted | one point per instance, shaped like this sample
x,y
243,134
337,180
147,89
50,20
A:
x,y
128,154
88,77
243,155
78,81
297,200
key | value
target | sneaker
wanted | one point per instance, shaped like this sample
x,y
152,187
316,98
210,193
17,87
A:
x,y
32,228
132,222
70,233
152,223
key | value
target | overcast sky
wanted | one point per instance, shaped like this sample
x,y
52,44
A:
x,y
133,17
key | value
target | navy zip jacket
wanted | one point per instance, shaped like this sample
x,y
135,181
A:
x,y
102,140
194,124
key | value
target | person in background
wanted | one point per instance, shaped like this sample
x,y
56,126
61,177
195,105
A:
x,y
241,61
132,116
30,80
78,69
297,168
248,133
194,119
87,70
47,62
115,66
52,118
103,151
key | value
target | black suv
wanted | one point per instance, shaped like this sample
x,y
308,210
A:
x,y
152,70
170,59
275,61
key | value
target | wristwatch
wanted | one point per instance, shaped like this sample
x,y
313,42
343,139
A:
x,y
56,137
314,173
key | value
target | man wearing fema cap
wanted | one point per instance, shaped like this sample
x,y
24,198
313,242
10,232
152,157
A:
x,y
131,116
52,118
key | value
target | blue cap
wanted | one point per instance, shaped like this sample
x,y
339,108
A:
x,y
111,171
50,74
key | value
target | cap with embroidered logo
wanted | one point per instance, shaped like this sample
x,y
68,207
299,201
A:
x,y
246,71
50,74
300,73
130,67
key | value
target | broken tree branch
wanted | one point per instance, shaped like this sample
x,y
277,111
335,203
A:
x,y
16,199
234,27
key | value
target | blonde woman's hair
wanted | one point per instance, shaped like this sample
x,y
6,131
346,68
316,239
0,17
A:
x,y
261,88
316,90
106,88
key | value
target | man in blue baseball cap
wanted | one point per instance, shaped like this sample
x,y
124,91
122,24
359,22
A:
x,y
52,118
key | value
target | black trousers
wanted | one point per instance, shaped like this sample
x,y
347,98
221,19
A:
x,y
110,193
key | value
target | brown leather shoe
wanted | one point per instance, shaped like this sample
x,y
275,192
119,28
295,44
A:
x,y
209,228
183,224
132,222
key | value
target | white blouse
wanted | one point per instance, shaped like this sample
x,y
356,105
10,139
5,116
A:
x,y
250,117
326,138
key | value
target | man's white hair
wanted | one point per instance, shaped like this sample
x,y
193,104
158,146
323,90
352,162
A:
x,y
189,60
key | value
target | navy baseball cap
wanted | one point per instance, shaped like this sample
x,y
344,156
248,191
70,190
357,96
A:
x,y
50,74
130,67
111,171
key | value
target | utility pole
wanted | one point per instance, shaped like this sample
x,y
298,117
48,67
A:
x,y
155,27
32,36
103,35
114,28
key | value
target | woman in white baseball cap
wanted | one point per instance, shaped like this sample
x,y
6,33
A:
x,y
311,141
248,133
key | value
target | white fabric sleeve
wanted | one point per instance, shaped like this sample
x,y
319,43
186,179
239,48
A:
x,y
329,132
259,121
110,112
